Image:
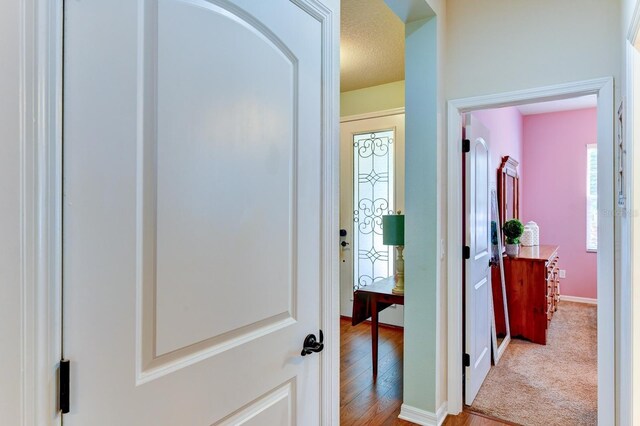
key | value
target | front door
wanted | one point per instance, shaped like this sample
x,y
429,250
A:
x,y
192,197
371,185
478,272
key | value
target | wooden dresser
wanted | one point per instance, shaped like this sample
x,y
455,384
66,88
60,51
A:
x,y
532,282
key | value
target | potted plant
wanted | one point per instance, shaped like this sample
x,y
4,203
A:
x,y
513,229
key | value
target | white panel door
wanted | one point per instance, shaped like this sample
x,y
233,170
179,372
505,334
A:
x,y
192,200
478,272
371,184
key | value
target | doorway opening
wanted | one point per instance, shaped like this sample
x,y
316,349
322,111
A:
x,y
423,47
372,138
541,291
603,90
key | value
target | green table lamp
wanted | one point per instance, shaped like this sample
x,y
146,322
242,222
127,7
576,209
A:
x,y
393,235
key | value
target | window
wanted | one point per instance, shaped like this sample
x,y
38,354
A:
x,y
592,197
373,173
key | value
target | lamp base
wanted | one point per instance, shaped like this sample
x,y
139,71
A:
x,y
399,275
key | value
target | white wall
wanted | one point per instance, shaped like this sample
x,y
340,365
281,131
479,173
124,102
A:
x,y
10,344
496,46
502,45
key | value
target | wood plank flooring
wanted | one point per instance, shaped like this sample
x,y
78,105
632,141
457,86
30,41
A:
x,y
364,401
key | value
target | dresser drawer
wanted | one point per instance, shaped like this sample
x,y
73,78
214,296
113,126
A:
x,y
550,284
552,266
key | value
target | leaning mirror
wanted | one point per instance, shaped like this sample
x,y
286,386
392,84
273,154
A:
x,y
500,331
508,192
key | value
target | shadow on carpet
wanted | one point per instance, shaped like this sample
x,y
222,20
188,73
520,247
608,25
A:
x,y
556,384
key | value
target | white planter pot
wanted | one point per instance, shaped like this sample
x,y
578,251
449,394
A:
x,y
513,250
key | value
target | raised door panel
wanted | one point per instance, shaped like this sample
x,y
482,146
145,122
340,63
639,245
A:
x,y
274,408
224,161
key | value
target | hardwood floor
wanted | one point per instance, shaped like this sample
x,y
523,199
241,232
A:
x,y
364,401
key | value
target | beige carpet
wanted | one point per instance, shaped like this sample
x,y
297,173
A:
x,y
556,384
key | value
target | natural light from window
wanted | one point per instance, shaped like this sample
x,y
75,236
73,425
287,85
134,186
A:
x,y
373,184
592,197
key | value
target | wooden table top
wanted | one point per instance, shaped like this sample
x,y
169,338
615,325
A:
x,y
540,253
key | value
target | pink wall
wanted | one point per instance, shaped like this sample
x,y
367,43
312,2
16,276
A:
x,y
551,151
555,182
505,129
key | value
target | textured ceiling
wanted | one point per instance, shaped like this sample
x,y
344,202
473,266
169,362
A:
x,y
371,44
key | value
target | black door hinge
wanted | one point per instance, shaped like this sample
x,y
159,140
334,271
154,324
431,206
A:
x,y
63,391
466,360
466,145
466,252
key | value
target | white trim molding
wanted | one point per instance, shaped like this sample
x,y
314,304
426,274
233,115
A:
x,y
630,245
576,299
634,25
607,351
422,417
40,208
374,114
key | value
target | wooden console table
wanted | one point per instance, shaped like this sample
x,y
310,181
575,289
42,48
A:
x,y
368,302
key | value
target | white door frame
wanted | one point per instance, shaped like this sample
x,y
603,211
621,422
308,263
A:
x,y
603,88
374,114
630,244
41,24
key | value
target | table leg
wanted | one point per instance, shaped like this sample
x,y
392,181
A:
x,y
374,334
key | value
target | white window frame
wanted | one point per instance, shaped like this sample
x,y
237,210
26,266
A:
x,y
588,200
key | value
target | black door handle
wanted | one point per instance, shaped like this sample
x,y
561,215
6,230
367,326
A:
x,y
344,243
312,345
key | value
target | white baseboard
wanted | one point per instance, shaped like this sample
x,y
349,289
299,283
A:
x,y
422,417
442,412
579,299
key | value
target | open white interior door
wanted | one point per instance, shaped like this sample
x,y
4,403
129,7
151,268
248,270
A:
x,y
193,185
478,272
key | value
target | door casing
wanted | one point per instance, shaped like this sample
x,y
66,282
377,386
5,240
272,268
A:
x,y
607,350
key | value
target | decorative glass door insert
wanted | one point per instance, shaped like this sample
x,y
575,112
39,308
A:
x,y
373,173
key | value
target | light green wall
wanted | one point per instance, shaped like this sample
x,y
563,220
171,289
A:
x,y
421,240
371,99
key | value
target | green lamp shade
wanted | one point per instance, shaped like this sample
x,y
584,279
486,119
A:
x,y
393,230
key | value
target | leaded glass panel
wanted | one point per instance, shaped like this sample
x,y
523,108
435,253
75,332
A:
x,y
373,168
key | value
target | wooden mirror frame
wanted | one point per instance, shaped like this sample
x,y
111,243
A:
x,y
508,170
